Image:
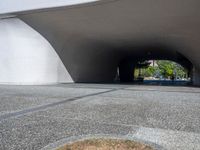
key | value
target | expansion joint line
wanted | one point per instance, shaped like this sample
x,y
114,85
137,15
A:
x,y
39,108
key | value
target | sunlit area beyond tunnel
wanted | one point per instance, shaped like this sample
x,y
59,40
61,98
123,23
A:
x,y
154,72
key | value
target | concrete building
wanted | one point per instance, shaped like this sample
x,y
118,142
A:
x,y
50,41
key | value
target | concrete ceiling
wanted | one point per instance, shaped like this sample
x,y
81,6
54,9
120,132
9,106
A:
x,y
120,28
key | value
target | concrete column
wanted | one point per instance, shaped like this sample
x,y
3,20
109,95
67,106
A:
x,y
126,70
196,76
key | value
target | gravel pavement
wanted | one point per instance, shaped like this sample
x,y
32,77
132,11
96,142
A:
x,y
44,117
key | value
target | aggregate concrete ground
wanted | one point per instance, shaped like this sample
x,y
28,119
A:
x,y
44,117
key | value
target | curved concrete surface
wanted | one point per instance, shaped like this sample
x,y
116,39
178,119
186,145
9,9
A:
x,y
26,57
10,6
92,40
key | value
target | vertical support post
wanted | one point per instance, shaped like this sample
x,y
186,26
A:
x,y
126,71
195,76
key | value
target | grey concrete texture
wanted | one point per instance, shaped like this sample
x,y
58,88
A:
x,y
37,117
93,39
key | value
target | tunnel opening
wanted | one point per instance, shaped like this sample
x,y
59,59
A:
x,y
153,72
155,68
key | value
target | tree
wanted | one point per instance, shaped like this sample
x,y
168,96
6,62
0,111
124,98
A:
x,y
170,69
166,69
150,71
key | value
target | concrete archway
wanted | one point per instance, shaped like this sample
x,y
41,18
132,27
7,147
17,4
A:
x,y
91,39
128,64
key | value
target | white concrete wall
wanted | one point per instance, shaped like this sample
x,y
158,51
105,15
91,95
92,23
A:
x,y
10,6
26,57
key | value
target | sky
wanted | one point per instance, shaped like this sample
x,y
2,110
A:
x,y
10,6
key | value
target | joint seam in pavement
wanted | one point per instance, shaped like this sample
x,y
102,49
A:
x,y
34,109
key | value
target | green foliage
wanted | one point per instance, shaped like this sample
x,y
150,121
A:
x,y
150,71
170,69
166,69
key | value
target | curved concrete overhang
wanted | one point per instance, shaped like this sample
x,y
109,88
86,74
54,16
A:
x,y
25,6
92,39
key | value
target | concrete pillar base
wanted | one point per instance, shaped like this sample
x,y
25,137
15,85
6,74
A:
x,y
196,77
126,70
